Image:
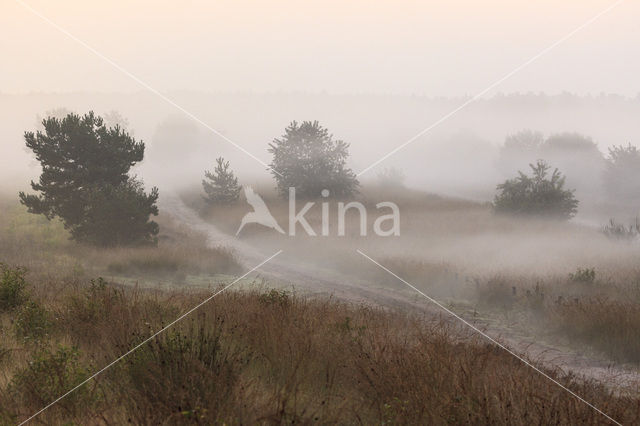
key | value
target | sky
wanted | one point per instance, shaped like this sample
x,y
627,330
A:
x,y
451,48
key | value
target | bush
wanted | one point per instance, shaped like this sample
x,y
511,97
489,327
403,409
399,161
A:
x,y
33,323
537,195
94,306
48,376
12,287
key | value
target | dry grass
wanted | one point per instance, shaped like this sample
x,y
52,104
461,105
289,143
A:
x,y
270,358
601,312
585,307
44,248
609,326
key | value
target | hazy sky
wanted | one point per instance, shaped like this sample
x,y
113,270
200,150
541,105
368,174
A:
x,y
422,47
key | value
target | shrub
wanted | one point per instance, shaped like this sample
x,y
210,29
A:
x,y
12,287
95,304
537,195
48,376
33,323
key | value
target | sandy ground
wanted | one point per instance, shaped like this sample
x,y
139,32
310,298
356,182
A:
x,y
312,280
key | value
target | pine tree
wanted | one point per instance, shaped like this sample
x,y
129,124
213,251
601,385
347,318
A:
x,y
221,186
85,174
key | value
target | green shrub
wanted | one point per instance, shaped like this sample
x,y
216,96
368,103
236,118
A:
x,y
95,304
536,194
12,287
33,323
48,376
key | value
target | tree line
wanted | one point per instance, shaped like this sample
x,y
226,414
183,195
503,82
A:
x,y
86,180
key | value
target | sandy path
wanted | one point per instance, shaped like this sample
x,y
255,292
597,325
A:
x,y
313,280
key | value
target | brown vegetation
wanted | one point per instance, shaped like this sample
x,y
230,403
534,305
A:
x,y
271,358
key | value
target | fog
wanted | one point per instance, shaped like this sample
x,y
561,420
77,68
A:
x,y
374,74
462,157
442,105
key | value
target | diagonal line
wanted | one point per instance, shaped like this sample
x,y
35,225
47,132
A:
x,y
491,339
144,342
493,85
141,82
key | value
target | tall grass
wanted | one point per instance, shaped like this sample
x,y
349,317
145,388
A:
x,y
274,358
600,312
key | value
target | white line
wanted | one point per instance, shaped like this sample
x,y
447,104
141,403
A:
x,y
142,83
468,324
146,341
498,82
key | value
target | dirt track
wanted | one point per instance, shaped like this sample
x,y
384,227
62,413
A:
x,y
315,281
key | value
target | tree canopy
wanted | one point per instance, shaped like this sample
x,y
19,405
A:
x,y
85,174
308,158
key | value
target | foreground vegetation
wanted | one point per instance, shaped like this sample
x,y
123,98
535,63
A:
x,y
263,357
